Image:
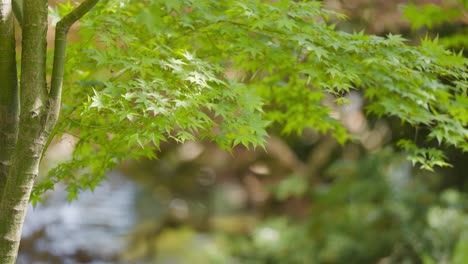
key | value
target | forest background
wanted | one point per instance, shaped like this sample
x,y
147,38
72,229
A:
x,y
304,198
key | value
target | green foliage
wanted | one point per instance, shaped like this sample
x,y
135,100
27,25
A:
x,y
431,15
448,12
446,230
460,254
368,210
292,186
351,221
145,72
427,157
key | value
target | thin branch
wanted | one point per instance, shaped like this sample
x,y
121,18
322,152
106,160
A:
x,y
18,10
55,94
61,31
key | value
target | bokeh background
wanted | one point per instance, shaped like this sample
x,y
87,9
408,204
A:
x,y
301,199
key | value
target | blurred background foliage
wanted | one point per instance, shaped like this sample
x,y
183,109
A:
x,y
302,199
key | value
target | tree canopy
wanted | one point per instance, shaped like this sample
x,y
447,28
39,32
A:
x,y
147,72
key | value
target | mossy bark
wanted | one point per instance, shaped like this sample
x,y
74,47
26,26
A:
x,y
24,162
8,91
26,117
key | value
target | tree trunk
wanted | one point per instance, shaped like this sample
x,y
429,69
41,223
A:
x,y
27,120
8,91
23,166
9,110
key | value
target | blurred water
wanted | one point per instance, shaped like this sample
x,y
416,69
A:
x,y
91,229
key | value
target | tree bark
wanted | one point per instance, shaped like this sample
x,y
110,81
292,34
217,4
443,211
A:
x,y
31,139
26,121
8,91
18,10
61,31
